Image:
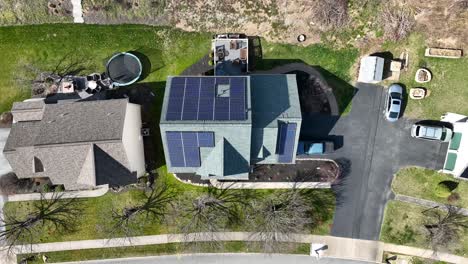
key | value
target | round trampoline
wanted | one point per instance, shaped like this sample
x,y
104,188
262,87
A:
x,y
124,69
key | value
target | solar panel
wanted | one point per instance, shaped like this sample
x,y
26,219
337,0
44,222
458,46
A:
x,y
184,147
286,140
195,98
174,144
205,139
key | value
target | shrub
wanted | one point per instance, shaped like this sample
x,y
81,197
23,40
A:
x,y
59,188
445,188
45,188
453,197
397,22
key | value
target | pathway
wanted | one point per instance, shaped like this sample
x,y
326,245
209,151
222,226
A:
x,y
425,203
99,191
77,11
345,248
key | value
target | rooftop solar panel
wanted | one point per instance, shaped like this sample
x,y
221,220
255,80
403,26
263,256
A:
x,y
184,147
196,98
286,140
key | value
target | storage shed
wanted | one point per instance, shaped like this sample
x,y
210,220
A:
x,y
371,69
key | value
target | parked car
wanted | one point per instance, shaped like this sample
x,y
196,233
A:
x,y
432,132
394,101
315,147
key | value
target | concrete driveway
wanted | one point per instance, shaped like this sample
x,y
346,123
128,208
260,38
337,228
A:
x,y
371,150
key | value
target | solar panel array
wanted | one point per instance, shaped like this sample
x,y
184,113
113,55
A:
x,y
184,147
286,141
196,98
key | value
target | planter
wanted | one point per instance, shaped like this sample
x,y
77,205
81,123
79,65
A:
x,y
444,53
423,76
418,93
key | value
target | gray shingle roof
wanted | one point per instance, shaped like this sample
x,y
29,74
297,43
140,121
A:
x,y
66,141
87,121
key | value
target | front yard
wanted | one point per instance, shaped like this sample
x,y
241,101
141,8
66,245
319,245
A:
x,y
94,221
448,85
423,183
403,224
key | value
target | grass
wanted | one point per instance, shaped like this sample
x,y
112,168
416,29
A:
x,y
421,183
403,224
170,51
412,259
13,12
94,220
334,64
448,85
163,249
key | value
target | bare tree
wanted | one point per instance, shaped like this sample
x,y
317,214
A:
x,y
61,214
199,218
459,6
444,225
397,21
154,207
330,13
277,216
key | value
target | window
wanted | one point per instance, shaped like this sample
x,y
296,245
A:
x,y
37,165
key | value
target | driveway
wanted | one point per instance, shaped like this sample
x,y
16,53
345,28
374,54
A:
x,y
371,150
224,259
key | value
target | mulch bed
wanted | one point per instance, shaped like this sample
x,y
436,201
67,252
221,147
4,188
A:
x,y
302,171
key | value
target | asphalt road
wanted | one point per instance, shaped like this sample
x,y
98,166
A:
x,y
224,259
372,150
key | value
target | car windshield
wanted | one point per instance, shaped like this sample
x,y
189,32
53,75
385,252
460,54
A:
x,y
395,95
396,102
393,114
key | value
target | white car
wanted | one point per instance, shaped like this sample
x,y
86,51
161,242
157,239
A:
x,y
431,132
394,102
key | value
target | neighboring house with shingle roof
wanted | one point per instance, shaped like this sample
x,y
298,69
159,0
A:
x,y
77,144
219,127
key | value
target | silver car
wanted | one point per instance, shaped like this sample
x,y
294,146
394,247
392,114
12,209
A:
x,y
431,132
394,101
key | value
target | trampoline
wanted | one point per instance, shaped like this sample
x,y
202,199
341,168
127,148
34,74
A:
x,y
124,69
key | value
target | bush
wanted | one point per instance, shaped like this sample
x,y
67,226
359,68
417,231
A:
x,y
444,188
453,197
59,188
45,188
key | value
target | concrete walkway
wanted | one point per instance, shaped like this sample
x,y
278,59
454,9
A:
x,y
77,11
425,203
99,191
344,248
271,185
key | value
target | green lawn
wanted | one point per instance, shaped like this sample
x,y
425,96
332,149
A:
x,y
448,85
421,183
403,224
94,220
169,51
164,249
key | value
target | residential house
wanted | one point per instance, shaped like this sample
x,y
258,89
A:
x,y
80,144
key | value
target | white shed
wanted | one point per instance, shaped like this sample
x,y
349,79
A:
x,y
371,69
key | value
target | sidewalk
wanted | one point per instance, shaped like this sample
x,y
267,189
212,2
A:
x,y
425,203
338,247
100,191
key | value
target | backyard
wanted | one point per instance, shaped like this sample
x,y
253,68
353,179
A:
x,y
423,183
403,224
448,84
169,51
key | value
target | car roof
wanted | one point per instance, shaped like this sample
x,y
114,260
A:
x,y
430,132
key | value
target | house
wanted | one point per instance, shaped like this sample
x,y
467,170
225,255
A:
x,y
456,159
371,69
220,127
230,54
80,144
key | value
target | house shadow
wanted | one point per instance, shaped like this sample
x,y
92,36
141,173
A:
x,y
150,96
109,171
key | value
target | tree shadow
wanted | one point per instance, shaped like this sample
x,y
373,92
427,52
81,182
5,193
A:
x,y
339,186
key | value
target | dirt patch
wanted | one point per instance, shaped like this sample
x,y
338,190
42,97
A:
x,y
444,24
302,171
